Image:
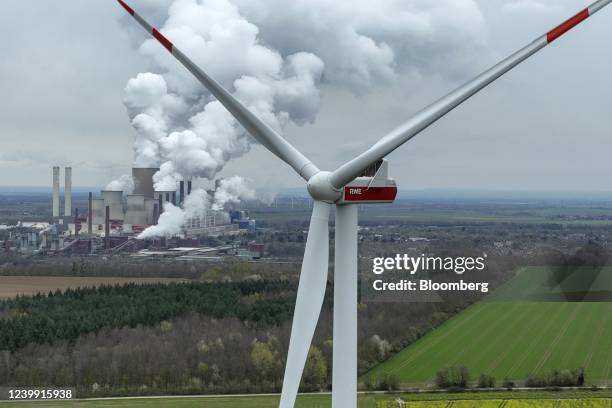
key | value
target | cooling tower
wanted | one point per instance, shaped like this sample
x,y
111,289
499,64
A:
x,y
143,181
114,200
56,192
97,213
136,210
150,210
68,191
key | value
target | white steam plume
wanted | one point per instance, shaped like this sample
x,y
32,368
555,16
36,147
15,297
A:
x,y
197,204
275,56
364,43
124,183
173,218
170,223
232,191
179,126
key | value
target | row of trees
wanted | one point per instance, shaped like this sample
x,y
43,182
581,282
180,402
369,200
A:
x,y
190,354
458,377
120,266
68,315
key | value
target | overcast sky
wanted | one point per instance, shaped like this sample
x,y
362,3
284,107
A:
x,y
545,126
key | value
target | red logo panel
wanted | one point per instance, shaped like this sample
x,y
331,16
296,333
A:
x,y
370,194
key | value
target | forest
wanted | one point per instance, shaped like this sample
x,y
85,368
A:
x,y
67,315
199,337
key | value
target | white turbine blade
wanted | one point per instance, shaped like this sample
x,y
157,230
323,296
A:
x,y
262,132
438,109
311,291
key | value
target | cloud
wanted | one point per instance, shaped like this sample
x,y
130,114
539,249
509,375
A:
x,y
364,43
531,7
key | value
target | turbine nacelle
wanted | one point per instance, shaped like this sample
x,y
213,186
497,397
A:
x,y
372,186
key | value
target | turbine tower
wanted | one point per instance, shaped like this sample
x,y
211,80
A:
x,y
362,180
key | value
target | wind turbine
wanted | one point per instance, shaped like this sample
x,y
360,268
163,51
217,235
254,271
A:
x,y
361,180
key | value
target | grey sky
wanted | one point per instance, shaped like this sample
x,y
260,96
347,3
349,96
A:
x,y
545,126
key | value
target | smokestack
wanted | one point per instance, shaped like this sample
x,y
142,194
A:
x,y
167,197
160,205
56,192
174,197
181,192
68,191
189,187
90,215
107,228
77,224
155,213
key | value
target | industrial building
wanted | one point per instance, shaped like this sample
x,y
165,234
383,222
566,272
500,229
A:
x,y
132,213
113,219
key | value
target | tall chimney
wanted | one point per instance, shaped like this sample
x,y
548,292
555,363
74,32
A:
x,y
68,191
77,223
181,192
155,213
160,205
90,215
56,192
189,187
174,197
107,228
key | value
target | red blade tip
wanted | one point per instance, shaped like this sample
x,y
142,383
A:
x,y
567,25
126,7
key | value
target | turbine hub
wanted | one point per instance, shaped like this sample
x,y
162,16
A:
x,y
321,189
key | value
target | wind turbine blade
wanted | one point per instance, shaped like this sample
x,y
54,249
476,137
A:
x,y
311,291
441,107
262,132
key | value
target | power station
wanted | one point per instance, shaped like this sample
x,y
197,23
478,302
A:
x,y
114,217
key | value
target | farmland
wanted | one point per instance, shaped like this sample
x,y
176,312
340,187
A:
x,y
461,211
11,286
516,399
508,336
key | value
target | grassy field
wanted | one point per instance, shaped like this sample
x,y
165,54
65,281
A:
x,y
11,286
509,337
398,213
516,399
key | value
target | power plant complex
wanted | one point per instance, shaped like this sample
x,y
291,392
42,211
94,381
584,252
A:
x,y
114,219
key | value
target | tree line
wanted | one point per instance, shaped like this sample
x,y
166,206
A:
x,y
67,315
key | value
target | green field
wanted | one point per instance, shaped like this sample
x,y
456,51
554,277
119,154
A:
x,y
455,215
506,336
516,399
